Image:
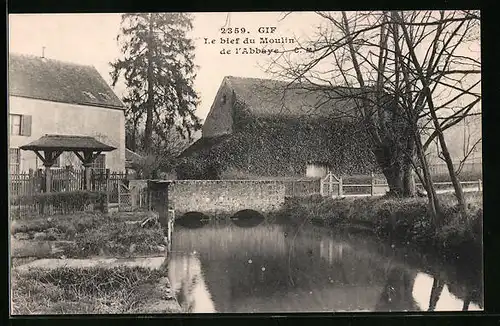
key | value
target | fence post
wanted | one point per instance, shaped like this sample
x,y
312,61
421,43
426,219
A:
x,y
119,192
31,182
321,187
341,191
479,184
372,186
107,191
66,177
330,184
107,180
149,199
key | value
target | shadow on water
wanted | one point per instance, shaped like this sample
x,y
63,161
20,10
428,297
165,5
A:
x,y
192,220
247,218
280,268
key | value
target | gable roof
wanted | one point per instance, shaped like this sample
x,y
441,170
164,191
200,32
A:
x,y
268,97
58,81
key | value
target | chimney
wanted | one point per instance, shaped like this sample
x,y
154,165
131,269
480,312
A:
x,y
43,52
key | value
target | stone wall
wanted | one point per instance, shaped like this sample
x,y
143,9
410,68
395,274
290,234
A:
x,y
225,196
220,196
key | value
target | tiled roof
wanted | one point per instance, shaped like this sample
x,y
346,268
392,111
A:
x,y
54,80
69,143
267,97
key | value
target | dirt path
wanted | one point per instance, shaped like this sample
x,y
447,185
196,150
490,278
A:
x,y
147,262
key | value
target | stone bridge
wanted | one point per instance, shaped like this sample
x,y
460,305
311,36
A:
x,y
220,197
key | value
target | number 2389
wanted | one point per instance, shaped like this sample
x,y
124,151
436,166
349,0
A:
x,y
230,30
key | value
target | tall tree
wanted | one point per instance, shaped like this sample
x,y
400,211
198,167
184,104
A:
x,y
417,60
158,69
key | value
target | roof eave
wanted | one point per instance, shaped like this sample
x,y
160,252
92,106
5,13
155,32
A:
x,y
106,106
65,148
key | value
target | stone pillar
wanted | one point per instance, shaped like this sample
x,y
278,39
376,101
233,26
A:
x,y
159,204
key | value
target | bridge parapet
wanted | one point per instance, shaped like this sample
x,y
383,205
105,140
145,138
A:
x,y
221,196
226,196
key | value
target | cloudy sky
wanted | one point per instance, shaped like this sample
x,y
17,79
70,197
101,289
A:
x,y
91,39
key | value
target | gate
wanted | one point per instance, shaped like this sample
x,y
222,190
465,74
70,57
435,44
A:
x,y
331,186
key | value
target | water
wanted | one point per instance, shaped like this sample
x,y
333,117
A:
x,y
272,268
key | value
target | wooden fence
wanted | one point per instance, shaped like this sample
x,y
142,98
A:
x,y
63,180
335,186
302,187
467,168
32,182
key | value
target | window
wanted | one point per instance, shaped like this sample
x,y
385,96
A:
x,y
15,124
89,95
99,163
20,124
14,160
105,96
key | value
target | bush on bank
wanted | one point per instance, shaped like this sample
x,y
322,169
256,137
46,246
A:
x,y
397,220
93,233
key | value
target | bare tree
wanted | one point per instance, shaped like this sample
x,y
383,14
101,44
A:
x,y
417,75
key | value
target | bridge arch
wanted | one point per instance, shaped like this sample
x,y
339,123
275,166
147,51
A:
x,y
192,220
247,218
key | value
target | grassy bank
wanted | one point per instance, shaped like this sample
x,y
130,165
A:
x,y
404,221
89,291
93,234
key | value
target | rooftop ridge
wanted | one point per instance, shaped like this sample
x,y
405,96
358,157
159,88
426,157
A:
x,y
66,62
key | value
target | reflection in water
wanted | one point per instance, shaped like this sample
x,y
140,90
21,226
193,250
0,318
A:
x,y
271,268
247,218
422,292
192,220
188,284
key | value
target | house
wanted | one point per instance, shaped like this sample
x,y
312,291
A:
x,y
267,128
49,96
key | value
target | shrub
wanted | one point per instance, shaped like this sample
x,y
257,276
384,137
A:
x,y
66,225
116,238
63,202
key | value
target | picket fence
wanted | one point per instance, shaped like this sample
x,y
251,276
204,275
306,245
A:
x,y
33,182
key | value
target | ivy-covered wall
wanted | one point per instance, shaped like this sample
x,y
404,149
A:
x,y
275,147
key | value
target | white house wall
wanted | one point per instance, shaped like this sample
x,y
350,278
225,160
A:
x,y
106,125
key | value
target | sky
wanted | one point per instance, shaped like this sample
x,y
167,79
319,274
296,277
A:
x,y
91,39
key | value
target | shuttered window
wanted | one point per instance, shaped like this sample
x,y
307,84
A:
x,y
20,125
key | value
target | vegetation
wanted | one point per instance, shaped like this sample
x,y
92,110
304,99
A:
x,y
94,234
417,84
87,291
403,221
158,69
62,202
287,143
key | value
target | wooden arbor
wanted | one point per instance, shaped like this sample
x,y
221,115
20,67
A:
x,y
49,147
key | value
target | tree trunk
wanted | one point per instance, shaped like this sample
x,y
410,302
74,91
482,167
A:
x,y
428,97
409,182
398,172
437,288
408,155
150,78
434,206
